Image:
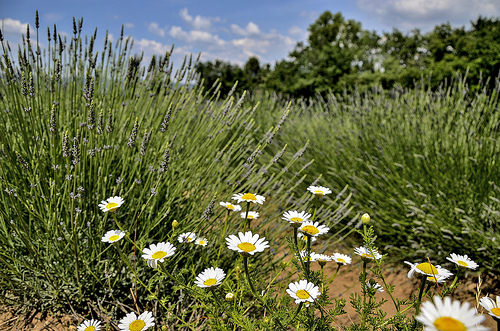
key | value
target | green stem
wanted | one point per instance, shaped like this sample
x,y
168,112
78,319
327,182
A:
x,y
295,239
308,256
223,235
247,221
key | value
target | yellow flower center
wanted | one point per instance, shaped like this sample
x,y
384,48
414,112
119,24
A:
x,y
137,325
296,219
159,255
463,264
246,247
310,229
495,311
189,239
114,237
446,323
249,196
250,217
111,206
367,255
202,242
341,260
318,192
230,207
210,282
427,268
303,294
432,279
89,328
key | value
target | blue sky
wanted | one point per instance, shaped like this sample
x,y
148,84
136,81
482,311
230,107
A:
x,y
232,30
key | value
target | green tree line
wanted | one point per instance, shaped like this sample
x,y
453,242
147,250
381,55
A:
x,y
340,54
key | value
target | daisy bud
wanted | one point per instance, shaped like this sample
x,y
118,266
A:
x,y
229,296
365,218
175,224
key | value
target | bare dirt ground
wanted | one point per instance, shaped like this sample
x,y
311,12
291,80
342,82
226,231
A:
x,y
343,286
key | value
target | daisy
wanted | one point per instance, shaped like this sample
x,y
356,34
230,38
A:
x,y
447,315
210,277
437,279
320,257
341,258
131,322
427,269
186,237
230,206
319,190
111,204
157,253
491,306
89,325
462,261
313,228
376,286
296,218
249,197
246,243
303,291
252,215
365,253
113,236
303,237
201,241
303,255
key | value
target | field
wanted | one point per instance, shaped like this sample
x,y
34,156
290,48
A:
x,y
80,126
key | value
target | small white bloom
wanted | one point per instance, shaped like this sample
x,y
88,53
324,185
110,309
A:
x,y
186,237
111,204
313,228
303,237
319,190
249,197
210,277
303,255
341,258
89,325
113,236
462,261
252,215
365,253
376,286
295,217
201,241
320,257
427,269
493,307
131,322
448,315
303,291
157,253
246,243
230,206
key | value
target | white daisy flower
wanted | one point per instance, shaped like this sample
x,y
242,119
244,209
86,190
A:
x,y
157,253
303,237
319,190
131,322
303,256
246,243
427,269
493,307
376,286
201,241
365,253
113,236
111,204
230,206
303,291
89,325
462,261
437,279
186,237
449,316
341,258
249,197
296,218
320,257
210,277
313,228
252,215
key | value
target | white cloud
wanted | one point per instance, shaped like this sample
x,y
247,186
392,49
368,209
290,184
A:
x,y
250,29
425,14
151,47
198,22
154,28
129,25
9,25
195,36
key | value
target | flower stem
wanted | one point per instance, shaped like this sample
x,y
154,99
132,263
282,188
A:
x,y
247,221
295,236
308,257
223,235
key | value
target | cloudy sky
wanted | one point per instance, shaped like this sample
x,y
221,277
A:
x,y
232,30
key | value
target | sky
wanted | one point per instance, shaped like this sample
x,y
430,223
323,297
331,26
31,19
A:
x,y
231,30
